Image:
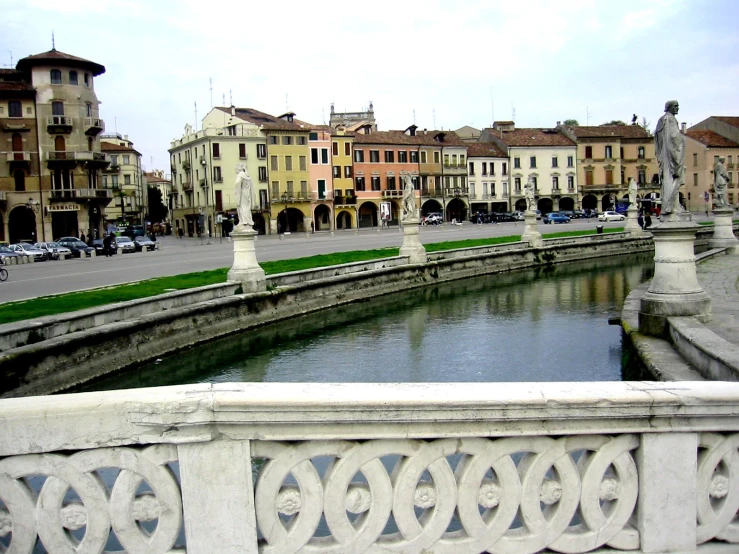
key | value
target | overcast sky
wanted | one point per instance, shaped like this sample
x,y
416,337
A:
x,y
453,63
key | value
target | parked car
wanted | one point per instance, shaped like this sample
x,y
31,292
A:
x,y
517,216
144,242
588,213
133,231
556,217
538,214
53,250
433,218
25,249
568,213
503,216
75,245
611,216
97,244
577,214
6,253
126,244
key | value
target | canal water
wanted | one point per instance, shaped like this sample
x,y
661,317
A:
x,y
549,324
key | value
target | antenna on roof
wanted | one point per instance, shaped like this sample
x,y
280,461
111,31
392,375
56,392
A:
x,y
492,107
115,124
414,116
230,98
196,116
224,98
513,113
211,92
587,115
53,42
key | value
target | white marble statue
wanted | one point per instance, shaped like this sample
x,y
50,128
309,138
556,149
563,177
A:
x,y
720,180
670,150
529,193
245,196
632,192
409,198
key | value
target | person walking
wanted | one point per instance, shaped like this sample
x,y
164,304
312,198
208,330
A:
x,y
106,244
647,221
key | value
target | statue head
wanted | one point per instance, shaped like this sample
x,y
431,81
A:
x,y
672,106
240,168
721,159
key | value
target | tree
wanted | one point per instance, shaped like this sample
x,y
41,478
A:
x,y
157,210
614,122
646,125
571,122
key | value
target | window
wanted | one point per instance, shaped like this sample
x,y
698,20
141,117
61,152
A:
x,y
114,181
589,177
287,141
535,182
609,152
216,150
88,109
334,148
555,183
695,179
347,149
731,177
56,77
105,181
262,171
273,164
359,156
640,153
324,155
484,168
261,151
446,160
337,171
242,150
231,130
423,157
609,176
391,183
492,168
375,183
505,168
57,108
302,162
472,169
402,156
414,156
588,152
454,160
114,159
275,191
20,180
87,79
217,177
517,184
348,171
304,189
570,182
516,163
570,161
485,190
359,183
472,190
15,109
730,160
461,160
126,159
126,179
374,156
437,157
290,189
314,155
73,78
389,156
301,141
288,163
695,160
272,140
555,162
532,162
313,136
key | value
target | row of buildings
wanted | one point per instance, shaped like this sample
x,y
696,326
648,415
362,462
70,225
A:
x,y
61,174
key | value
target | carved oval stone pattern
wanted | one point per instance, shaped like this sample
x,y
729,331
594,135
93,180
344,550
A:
x,y
510,495
76,509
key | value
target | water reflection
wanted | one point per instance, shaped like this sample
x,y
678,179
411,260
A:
x,y
549,324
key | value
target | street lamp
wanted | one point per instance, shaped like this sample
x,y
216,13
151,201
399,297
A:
x,y
32,205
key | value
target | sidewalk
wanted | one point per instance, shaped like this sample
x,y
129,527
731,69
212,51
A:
x,y
719,276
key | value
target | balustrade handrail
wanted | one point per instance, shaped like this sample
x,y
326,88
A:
x,y
595,450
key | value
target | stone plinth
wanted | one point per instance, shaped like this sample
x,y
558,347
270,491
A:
x,y
674,290
412,246
245,268
723,230
530,233
632,221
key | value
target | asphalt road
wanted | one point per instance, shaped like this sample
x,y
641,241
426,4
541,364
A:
x,y
177,256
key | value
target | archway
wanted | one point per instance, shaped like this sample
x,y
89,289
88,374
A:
x,y
520,205
290,220
566,203
431,206
259,223
545,205
2,227
368,215
608,202
21,225
456,209
322,218
589,202
344,220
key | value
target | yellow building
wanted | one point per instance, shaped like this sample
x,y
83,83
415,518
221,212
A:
x,y
345,199
702,150
124,178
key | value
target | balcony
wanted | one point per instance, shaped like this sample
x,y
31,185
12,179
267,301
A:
x,y
431,191
114,167
345,200
81,194
327,195
94,126
59,124
456,191
18,157
392,194
187,185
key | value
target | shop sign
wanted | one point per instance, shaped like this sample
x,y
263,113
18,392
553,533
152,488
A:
x,y
65,207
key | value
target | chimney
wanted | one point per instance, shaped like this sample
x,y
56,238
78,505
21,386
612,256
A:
x,y
682,127
233,110
559,123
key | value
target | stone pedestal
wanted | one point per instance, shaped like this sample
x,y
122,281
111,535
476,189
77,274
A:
x,y
245,268
530,233
723,230
674,290
632,221
412,246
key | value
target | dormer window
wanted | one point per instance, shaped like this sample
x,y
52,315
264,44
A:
x,y
73,78
56,77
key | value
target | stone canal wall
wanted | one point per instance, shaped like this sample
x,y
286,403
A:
x,y
56,353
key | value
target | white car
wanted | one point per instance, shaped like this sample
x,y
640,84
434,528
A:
x,y
611,216
54,250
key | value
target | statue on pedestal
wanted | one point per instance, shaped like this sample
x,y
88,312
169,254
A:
x,y
245,196
409,198
632,192
670,149
720,180
529,193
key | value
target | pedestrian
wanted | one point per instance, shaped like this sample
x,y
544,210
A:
x,y
106,245
82,237
647,221
640,220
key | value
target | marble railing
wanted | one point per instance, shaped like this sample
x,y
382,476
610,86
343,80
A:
x,y
453,467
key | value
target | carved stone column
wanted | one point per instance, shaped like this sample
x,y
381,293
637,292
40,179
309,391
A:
x,y
723,230
245,268
412,246
530,233
674,290
632,221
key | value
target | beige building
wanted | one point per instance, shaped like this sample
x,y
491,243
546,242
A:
x,y
124,178
702,150
487,174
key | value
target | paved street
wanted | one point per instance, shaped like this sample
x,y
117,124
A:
x,y
177,256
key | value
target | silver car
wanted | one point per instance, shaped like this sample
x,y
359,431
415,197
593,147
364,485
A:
x,y
29,250
54,250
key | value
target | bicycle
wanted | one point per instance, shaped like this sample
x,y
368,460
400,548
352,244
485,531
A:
x,y
3,273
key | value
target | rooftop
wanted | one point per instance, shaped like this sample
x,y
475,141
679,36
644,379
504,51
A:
x,y
711,139
485,150
421,138
607,131
54,56
531,137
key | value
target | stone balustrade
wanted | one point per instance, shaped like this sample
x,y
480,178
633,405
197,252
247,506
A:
x,y
453,467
